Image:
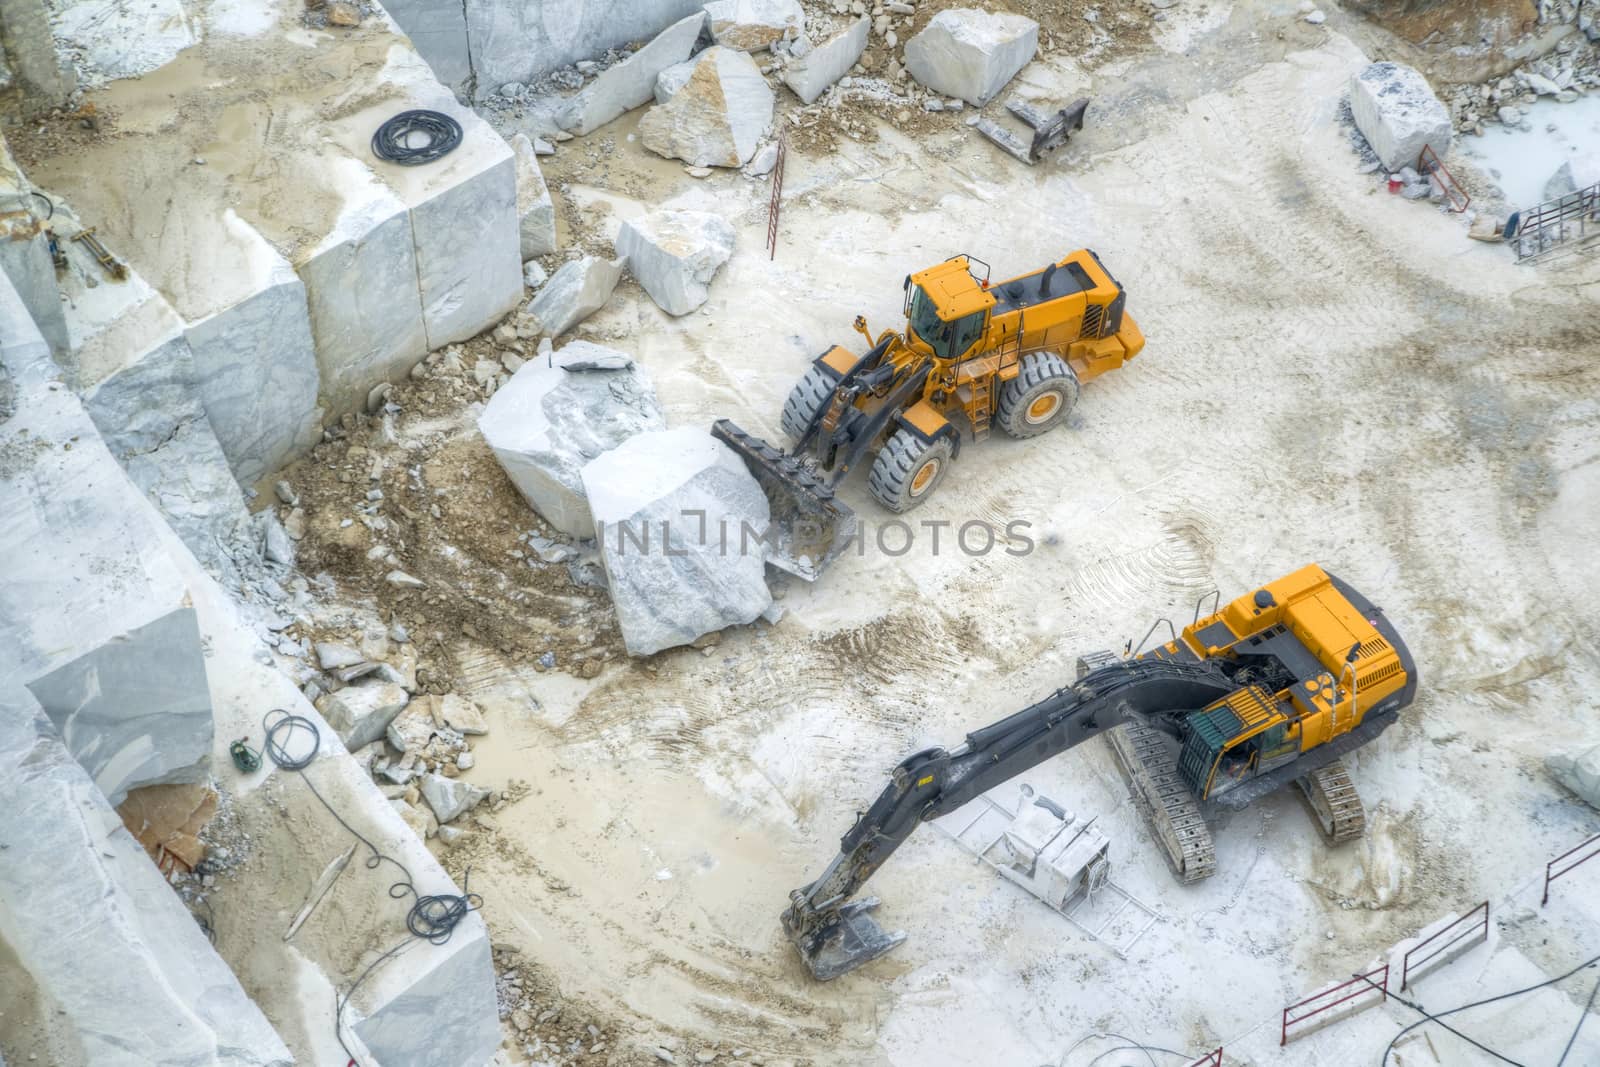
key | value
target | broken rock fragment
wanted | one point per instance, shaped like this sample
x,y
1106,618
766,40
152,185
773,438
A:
x,y
1579,771
675,254
360,714
574,292
717,117
971,54
753,25
558,413
536,211
450,798
679,520
810,74
630,83
1396,111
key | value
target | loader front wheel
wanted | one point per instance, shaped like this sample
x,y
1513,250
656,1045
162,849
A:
x,y
1039,397
908,469
809,396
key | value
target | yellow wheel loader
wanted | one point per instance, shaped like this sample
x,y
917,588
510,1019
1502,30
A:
x,y
972,355
1270,689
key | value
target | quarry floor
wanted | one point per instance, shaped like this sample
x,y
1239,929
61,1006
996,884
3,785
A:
x,y
1332,375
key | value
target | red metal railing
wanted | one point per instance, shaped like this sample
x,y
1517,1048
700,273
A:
x,y
1210,1059
1467,926
1319,1003
1430,166
1550,872
777,196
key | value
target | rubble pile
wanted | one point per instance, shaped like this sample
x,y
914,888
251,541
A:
x,y
1569,72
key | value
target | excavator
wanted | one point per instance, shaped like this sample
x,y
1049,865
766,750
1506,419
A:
x,y
1011,354
1270,689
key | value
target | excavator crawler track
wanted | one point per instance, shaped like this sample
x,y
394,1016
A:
x,y
1332,798
1163,797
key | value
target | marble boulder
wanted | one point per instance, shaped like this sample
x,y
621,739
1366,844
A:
x,y
681,525
811,75
556,415
573,293
971,54
630,83
717,117
753,25
675,254
1396,111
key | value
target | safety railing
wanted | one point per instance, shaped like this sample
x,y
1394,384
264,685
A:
x,y
1318,1004
1430,166
1563,224
1560,865
1210,1059
1171,629
1474,924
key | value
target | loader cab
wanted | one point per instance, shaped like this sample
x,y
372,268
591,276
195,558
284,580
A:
x,y
947,308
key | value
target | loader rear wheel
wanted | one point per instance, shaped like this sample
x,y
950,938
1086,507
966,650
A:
x,y
1039,397
809,395
908,469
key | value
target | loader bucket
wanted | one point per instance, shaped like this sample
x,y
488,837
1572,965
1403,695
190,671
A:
x,y
812,527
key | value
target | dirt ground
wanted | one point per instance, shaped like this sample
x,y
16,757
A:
x,y
1332,374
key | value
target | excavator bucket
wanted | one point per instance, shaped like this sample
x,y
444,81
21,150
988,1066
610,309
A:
x,y
851,940
811,525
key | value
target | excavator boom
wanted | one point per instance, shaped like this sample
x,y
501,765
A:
x,y
835,935
1250,693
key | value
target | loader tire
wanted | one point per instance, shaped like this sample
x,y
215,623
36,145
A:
x,y
1039,397
908,470
809,395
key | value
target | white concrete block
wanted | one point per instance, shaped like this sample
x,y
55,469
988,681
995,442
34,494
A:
x,y
811,75
130,362
971,54
469,264
255,368
463,206
520,42
1578,172
439,34
752,25
536,211
632,82
1579,770
127,974
717,117
576,291
675,254
547,422
122,40
98,618
679,520
1396,111
361,713
361,290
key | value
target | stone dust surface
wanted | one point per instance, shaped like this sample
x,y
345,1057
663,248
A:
x,y
1331,375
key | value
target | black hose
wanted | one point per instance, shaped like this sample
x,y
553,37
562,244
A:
x,y
1435,1017
432,917
393,140
1581,1017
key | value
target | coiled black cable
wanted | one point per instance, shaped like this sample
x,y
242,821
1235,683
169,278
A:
x,y
432,917
393,140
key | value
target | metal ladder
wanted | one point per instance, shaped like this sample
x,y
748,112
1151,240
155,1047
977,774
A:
x,y
980,405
